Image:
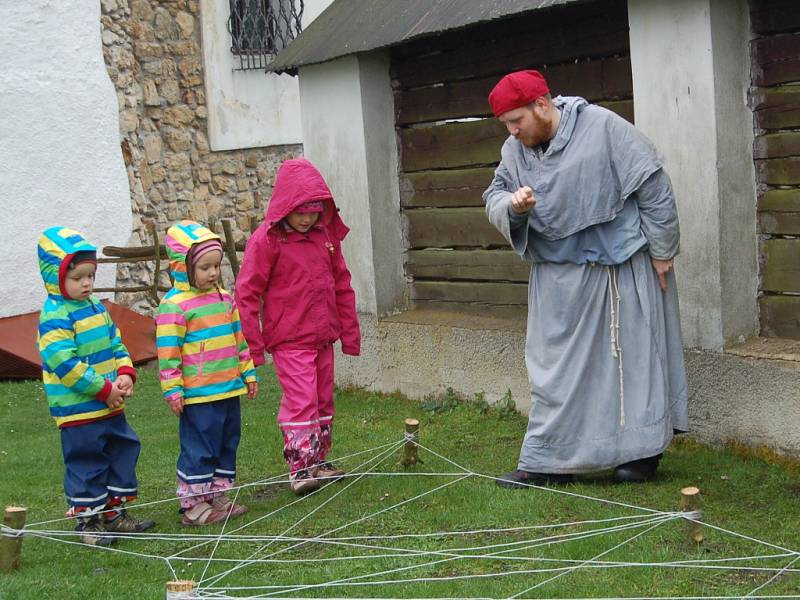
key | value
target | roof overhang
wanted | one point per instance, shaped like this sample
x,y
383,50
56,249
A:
x,y
353,26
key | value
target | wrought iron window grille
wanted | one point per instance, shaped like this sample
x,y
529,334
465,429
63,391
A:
x,y
261,28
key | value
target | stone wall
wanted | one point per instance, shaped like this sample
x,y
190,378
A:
x,y
154,58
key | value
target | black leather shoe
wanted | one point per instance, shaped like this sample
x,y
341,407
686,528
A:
x,y
521,479
637,471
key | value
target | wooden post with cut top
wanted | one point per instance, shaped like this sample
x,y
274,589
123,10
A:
x,y
180,589
410,457
230,246
153,229
11,542
692,503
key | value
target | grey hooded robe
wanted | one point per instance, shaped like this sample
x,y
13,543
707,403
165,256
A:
x,y
603,348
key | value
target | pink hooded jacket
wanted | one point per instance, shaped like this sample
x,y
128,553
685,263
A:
x,y
298,282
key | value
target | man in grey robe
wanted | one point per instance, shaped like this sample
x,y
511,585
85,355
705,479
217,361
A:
x,y
583,196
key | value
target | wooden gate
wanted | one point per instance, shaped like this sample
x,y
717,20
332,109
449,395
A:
x,y
449,143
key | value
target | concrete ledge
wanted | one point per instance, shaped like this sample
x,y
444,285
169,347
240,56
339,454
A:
x,y
404,354
464,316
755,401
768,348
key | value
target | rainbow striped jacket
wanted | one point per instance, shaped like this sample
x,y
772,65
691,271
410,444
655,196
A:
x,y
80,345
202,353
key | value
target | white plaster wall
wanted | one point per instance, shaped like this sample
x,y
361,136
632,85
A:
x,y
60,158
348,133
334,140
312,9
247,109
689,99
388,247
730,32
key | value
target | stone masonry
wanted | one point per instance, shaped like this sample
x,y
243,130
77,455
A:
x,y
154,58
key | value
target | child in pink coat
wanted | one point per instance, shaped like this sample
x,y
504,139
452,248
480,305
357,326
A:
x,y
295,301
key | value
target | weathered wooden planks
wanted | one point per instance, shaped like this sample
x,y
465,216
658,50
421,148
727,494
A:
x,y
458,291
779,212
779,223
776,59
776,108
603,78
780,316
779,171
447,188
774,16
489,265
777,145
624,108
449,148
543,19
497,49
775,98
451,228
452,145
784,200
781,265
463,144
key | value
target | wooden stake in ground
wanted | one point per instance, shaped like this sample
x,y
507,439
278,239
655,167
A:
x,y
153,228
180,589
691,503
409,457
10,544
230,246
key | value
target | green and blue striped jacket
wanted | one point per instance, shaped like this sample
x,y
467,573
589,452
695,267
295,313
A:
x,y
81,348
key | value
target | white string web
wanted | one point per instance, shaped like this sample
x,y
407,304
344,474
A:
x,y
522,561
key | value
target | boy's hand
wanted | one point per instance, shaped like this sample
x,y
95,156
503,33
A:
x,y
252,389
125,383
116,397
176,404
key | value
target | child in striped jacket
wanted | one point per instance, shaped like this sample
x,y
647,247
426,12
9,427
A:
x,y
204,365
87,375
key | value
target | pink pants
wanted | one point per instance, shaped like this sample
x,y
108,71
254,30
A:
x,y
190,494
306,413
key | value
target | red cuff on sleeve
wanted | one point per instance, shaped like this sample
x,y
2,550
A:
x,y
129,371
354,350
105,392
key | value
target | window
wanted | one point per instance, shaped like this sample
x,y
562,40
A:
x,y
261,28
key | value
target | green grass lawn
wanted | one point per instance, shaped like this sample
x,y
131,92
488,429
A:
x,y
742,492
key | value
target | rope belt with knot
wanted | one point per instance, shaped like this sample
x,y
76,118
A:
x,y
616,348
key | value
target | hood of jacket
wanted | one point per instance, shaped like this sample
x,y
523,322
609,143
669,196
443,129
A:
x,y
57,244
179,239
297,182
570,106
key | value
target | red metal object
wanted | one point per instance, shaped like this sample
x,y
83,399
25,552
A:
x,y
19,355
